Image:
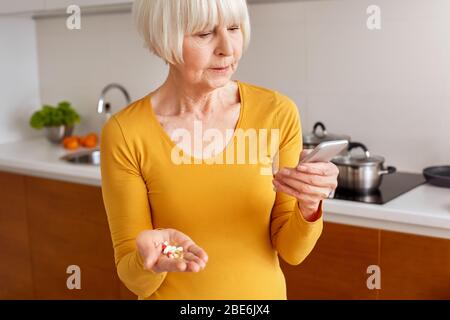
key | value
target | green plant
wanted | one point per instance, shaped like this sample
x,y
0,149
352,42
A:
x,y
50,116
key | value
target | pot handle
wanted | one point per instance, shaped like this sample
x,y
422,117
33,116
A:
x,y
353,145
322,126
388,170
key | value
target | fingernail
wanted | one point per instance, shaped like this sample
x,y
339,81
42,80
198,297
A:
x,y
285,171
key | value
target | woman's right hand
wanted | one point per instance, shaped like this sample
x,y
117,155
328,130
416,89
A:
x,y
149,244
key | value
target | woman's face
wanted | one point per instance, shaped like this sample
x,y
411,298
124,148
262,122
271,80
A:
x,y
207,50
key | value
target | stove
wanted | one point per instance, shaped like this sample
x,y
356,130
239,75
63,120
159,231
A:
x,y
392,186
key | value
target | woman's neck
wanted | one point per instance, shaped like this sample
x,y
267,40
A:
x,y
175,97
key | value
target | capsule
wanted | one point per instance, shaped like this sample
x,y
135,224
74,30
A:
x,y
171,251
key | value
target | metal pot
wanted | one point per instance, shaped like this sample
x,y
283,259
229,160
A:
x,y
58,133
362,174
313,139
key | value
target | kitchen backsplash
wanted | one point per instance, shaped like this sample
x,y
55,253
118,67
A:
x,y
388,88
19,87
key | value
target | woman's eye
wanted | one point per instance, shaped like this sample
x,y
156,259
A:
x,y
204,35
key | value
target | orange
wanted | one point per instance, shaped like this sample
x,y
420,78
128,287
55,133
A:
x,y
71,143
89,141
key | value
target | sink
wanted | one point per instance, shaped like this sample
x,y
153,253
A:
x,y
84,157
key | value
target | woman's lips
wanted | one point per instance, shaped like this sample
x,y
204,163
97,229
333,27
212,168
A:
x,y
220,70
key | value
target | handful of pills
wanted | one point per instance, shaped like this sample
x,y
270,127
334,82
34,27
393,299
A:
x,y
172,252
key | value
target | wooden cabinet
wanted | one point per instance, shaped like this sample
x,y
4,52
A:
x,y
411,266
47,226
15,253
337,267
68,226
414,267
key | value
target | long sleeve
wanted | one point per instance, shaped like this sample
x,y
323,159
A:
x,y
128,209
292,236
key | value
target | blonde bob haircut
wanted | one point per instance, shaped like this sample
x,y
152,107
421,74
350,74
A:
x,y
163,24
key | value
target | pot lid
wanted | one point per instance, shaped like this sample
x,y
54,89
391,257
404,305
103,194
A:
x,y
365,159
316,137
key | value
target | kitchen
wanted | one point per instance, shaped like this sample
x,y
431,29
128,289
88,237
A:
x,y
386,87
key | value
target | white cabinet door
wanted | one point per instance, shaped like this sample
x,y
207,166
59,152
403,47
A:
x,y
21,6
62,4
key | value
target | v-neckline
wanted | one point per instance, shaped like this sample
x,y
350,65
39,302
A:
x,y
180,150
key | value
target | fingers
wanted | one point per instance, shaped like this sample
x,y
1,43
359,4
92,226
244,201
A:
x,y
282,187
308,201
199,252
189,245
189,263
196,256
194,263
312,180
316,179
319,168
303,188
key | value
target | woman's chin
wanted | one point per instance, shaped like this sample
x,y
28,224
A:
x,y
218,83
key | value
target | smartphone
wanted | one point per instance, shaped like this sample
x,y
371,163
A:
x,y
325,151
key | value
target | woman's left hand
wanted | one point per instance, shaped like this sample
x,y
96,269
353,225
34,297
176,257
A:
x,y
310,183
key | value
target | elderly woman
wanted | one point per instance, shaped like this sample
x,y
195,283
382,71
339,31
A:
x,y
232,218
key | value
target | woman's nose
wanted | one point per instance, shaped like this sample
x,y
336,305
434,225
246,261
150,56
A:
x,y
224,46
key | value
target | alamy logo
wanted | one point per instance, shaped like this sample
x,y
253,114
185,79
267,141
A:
x,y
74,280
374,19
73,22
374,280
253,146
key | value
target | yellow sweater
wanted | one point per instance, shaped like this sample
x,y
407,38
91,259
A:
x,y
230,210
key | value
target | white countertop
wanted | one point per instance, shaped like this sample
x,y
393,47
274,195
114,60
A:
x,y
425,210
38,157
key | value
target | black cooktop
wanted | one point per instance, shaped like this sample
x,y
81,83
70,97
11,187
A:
x,y
392,185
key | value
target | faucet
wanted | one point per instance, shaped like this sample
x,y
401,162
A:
x,y
106,107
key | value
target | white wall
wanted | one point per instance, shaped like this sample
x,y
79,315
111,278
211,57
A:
x,y
75,65
389,88
19,89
